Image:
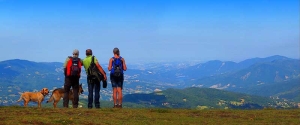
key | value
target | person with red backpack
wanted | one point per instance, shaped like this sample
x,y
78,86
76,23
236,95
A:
x,y
116,67
72,70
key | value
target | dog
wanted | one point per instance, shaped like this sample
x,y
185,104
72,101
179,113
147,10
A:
x,y
58,93
34,97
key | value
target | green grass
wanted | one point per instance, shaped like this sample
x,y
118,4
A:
x,y
146,116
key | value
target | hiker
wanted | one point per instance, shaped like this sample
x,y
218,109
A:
x,y
93,83
116,67
72,70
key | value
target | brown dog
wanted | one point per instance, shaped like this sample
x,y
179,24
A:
x,y
58,93
34,96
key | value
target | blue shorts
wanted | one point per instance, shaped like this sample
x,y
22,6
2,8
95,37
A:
x,y
116,82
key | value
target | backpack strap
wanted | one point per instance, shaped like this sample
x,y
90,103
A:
x,y
114,59
113,63
70,58
92,62
121,61
79,62
117,58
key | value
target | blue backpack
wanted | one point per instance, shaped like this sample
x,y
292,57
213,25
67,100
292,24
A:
x,y
117,67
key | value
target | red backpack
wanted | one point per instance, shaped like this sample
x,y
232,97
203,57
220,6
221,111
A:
x,y
74,67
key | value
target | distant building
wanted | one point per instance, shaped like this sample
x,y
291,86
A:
x,y
165,103
242,101
157,90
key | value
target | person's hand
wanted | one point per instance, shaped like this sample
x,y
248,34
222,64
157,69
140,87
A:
x,y
104,77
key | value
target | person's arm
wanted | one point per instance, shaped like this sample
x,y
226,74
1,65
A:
x,y
65,65
81,61
66,62
100,68
124,64
110,64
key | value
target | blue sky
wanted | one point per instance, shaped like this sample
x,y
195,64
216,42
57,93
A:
x,y
149,30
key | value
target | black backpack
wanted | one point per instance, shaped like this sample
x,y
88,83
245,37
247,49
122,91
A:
x,y
93,72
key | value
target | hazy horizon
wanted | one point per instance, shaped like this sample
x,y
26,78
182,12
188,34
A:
x,y
149,30
191,62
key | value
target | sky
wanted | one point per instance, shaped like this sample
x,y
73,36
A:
x,y
149,30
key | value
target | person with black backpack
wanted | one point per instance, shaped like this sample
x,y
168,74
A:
x,y
95,74
116,67
72,70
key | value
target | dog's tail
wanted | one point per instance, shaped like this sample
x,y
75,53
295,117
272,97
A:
x,y
51,98
21,97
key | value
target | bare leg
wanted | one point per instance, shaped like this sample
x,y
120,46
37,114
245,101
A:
x,y
115,95
120,96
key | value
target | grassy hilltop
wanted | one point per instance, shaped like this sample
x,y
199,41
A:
x,y
83,116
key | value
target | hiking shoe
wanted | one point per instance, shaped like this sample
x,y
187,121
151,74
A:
x,y
119,106
115,106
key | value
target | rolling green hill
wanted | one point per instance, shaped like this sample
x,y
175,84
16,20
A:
x,y
289,89
201,98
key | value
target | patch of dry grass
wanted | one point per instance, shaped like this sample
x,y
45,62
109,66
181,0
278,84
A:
x,y
83,116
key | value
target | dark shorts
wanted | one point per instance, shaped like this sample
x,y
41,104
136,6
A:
x,y
116,82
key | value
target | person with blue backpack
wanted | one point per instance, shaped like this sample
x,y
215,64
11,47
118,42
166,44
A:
x,y
117,66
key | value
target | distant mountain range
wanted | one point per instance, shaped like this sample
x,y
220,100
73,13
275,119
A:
x,y
216,67
252,76
31,75
274,76
260,76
